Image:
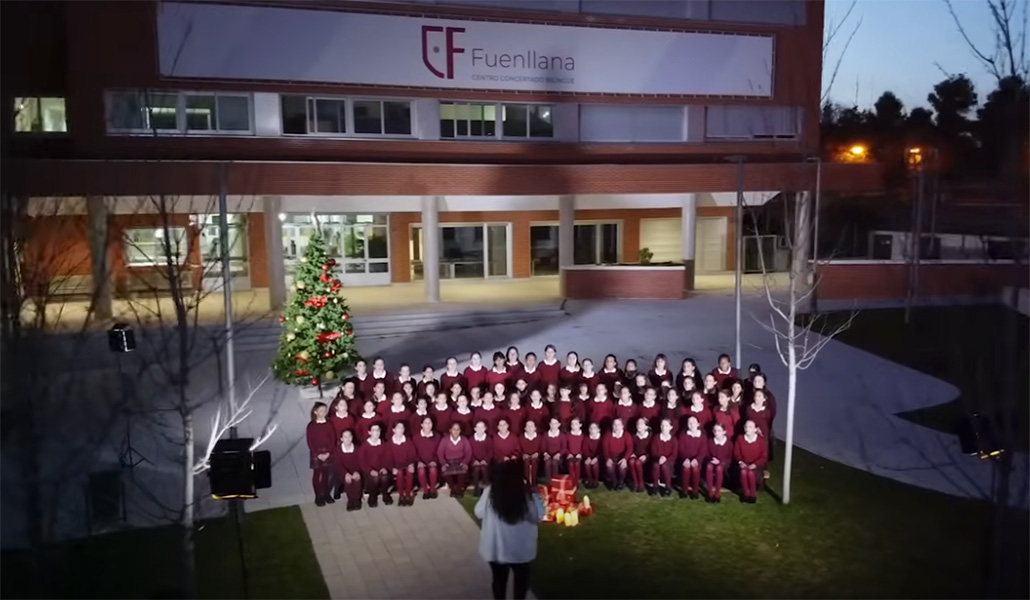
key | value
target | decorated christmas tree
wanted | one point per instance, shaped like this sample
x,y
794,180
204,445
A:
x,y
318,340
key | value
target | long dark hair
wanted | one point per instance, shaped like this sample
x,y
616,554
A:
x,y
509,493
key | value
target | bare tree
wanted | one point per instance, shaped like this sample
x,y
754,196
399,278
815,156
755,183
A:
x,y
1008,56
834,32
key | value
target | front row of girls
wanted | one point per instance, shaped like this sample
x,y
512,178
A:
x,y
648,461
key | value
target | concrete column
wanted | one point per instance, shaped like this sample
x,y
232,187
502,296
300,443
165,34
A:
x,y
100,267
431,247
566,236
273,206
688,220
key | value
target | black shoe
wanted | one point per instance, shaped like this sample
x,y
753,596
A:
x,y
718,499
426,495
743,500
651,491
337,494
387,499
694,496
752,500
434,494
350,506
666,492
329,500
319,501
373,501
708,500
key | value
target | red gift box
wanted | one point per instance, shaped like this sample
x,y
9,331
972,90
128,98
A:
x,y
563,489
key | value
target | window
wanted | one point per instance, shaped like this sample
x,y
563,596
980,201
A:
x,y
173,111
382,117
149,246
39,115
632,123
479,120
752,122
330,116
303,115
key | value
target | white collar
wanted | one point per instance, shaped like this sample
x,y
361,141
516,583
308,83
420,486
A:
x,y
752,440
492,407
339,416
529,437
510,407
537,406
477,437
665,437
757,409
619,437
645,435
590,376
550,362
403,439
630,403
499,372
455,441
508,363
644,403
692,434
505,436
465,412
615,370
527,371
553,435
362,377
397,409
454,374
660,373
422,411
475,369
378,442
575,370
574,433
437,407
322,421
591,436
423,434
383,376
718,443
345,450
368,416
702,409
726,372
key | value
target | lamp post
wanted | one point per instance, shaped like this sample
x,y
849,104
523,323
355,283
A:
x,y
915,159
738,271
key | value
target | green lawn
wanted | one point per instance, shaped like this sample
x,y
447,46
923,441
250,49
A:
x,y
963,345
142,563
846,533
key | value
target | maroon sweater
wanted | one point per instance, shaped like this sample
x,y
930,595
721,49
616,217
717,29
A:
x,y
721,379
448,451
346,463
321,439
609,379
363,423
491,417
770,402
693,448
724,452
441,418
474,378
415,421
420,387
540,415
651,414
549,373
506,447
656,380
565,411
533,379
375,458
466,420
493,378
391,419
554,445
363,386
762,418
727,418
599,412
447,381
756,452
628,414
682,376
616,449
641,445
570,378
516,418
373,379
704,417
482,449
341,424
530,446
426,447
664,448
592,447
402,455
574,444
591,381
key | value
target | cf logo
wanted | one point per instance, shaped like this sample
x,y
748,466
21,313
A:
x,y
432,48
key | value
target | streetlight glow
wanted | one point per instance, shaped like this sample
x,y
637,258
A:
x,y
858,150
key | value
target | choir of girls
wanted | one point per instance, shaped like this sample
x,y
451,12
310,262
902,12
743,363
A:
x,y
615,424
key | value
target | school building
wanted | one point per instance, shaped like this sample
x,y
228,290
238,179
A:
x,y
427,140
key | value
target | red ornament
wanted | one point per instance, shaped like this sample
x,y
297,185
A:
x,y
345,317
323,278
325,266
282,319
328,354
332,262
300,372
314,382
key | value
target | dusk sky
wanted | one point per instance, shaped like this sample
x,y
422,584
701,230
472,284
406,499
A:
x,y
897,44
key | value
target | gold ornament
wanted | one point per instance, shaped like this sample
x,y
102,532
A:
x,y
304,354
293,286
300,285
304,259
330,375
345,356
300,319
336,300
290,337
321,326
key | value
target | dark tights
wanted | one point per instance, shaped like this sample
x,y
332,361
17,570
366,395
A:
x,y
500,579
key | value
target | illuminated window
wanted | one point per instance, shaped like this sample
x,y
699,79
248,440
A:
x,y
151,245
39,115
480,120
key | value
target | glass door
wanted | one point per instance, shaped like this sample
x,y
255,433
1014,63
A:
x,y
497,251
211,251
359,243
466,251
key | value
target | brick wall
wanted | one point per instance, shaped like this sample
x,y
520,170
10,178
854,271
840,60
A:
x,y
888,281
598,283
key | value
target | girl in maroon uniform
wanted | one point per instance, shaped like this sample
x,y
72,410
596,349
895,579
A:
x,y
737,397
616,449
537,411
368,417
403,377
673,409
629,372
427,442
720,456
600,410
570,373
451,375
441,413
321,441
711,390
374,456
475,397
380,374
428,378
397,412
482,456
521,388
530,444
402,453
758,382
663,457
587,374
585,394
751,453
463,415
610,373
500,394
688,386
498,374
554,449
455,456
515,412
418,415
693,449
758,413
408,388
638,458
625,408
637,386
725,372
725,415
475,373
699,410
362,382
592,455
513,364
348,396
574,450
530,372
649,410
564,409
379,396
688,370
348,470
506,443
660,376
489,412
552,394
341,418
549,368
430,392
453,392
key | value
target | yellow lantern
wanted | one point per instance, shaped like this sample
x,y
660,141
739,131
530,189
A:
x,y
559,516
586,502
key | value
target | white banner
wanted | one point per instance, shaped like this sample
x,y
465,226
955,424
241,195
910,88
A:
x,y
229,42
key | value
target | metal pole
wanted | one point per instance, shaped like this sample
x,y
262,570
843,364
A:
x,y
738,274
223,242
920,195
912,248
813,296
